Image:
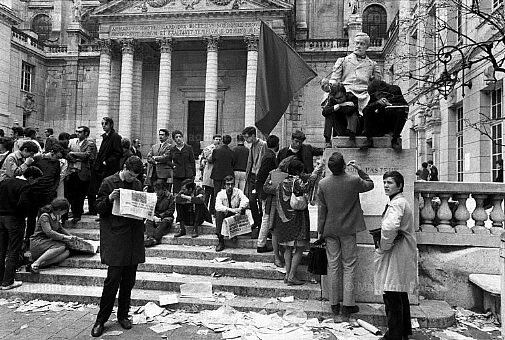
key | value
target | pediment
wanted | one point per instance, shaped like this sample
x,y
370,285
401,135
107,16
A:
x,y
188,7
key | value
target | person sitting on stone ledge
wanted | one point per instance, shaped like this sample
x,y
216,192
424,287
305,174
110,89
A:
x,y
386,113
163,215
229,201
48,243
340,112
191,209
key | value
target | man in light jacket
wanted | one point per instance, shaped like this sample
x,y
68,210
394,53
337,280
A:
x,y
340,217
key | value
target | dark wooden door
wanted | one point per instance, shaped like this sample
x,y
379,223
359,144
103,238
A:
x,y
196,110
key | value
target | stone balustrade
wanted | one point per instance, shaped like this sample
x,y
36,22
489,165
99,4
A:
x,y
322,45
459,207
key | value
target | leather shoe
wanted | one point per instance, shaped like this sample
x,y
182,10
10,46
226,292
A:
x,y
335,309
220,245
264,249
125,323
97,329
348,310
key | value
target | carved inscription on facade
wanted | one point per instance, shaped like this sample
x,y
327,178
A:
x,y
184,30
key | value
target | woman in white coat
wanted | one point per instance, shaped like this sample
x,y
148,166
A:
x,y
396,259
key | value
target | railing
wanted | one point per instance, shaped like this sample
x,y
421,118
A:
x,y
322,44
89,47
460,207
56,48
26,39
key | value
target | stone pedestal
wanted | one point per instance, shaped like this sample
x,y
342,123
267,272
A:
x,y
375,162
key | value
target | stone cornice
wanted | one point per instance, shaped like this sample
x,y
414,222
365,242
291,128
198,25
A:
x,y
253,13
8,16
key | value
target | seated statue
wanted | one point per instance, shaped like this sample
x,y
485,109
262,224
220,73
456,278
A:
x,y
386,113
340,111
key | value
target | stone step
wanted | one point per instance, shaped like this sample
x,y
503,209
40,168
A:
x,y
256,270
202,240
89,222
164,281
208,253
429,313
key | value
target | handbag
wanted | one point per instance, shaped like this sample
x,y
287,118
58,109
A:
x,y
297,202
318,262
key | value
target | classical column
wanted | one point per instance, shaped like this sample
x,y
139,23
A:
x,y
250,80
210,113
104,74
137,92
165,80
125,92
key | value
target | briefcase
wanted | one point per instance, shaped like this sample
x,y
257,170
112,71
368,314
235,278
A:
x,y
318,262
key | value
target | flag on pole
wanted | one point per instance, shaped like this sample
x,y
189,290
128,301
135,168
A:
x,y
281,73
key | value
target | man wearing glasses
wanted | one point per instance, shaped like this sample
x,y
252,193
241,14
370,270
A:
x,y
229,201
81,156
107,160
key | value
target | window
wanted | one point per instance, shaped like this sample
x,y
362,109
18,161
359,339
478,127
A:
x,y
459,143
459,21
27,77
497,3
42,25
375,22
496,129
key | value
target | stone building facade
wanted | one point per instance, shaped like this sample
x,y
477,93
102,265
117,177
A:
x,y
180,64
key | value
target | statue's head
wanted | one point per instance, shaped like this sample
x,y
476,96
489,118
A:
x,y
362,41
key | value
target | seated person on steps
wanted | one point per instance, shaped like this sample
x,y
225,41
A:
x,y
386,113
340,111
163,215
229,201
191,209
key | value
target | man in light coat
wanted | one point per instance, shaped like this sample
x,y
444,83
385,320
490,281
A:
x,y
340,217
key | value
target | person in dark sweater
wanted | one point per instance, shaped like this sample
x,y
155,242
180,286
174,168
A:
x,y
303,152
163,215
240,155
14,203
44,191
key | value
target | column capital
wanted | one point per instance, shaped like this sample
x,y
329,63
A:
x,y
252,42
166,44
105,46
127,46
212,43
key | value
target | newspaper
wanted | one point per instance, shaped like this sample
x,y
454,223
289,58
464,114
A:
x,y
135,204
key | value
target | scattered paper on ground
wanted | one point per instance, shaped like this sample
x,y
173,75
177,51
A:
x,y
151,310
164,327
113,333
168,299
287,299
197,290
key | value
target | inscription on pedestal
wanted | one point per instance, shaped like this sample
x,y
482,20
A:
x,y
184,30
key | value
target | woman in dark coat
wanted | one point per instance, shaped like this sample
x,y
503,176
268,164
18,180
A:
x,y
121,245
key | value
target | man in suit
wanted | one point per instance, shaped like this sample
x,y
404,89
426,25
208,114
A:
x,y
158,167
268,163
81,156
340,218
135,149
303,152
223,162
107,160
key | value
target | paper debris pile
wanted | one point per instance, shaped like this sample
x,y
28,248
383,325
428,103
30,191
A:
x,y
483,322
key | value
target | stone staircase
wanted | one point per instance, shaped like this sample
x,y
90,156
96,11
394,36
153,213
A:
x,y
252,277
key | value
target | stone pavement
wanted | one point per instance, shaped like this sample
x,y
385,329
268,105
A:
x,y
77,323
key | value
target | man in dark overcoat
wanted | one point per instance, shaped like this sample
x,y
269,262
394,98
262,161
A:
x,y
107,160
121,245
224,161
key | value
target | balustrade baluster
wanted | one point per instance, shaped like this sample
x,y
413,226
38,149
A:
x,y
497,215
479,215
444,214
427,214
462,215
